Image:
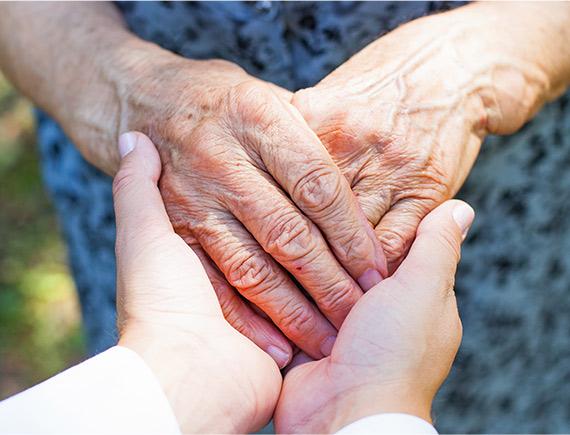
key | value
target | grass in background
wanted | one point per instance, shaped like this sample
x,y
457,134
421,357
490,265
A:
x,y
40,332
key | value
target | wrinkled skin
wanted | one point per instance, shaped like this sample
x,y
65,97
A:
x,y
395,348
404,120
252,190
258,181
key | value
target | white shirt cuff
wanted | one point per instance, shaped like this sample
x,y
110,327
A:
x,y
389,424
113,392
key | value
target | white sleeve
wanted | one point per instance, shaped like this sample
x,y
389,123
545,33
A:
x,y
113,392
389,424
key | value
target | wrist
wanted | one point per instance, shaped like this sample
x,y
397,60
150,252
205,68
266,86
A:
x,y
181,378
507,48
354,404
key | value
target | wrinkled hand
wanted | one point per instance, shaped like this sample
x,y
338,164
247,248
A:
x,y
397,345
404,118
215,379
252,190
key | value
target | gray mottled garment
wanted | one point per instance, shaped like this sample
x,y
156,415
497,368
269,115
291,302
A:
x,y
513,371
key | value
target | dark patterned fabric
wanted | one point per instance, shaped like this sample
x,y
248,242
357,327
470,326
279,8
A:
x,y
513,371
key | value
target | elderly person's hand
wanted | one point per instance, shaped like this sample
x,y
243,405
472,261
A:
x,y
397,345
215,378
250,187
245,180
404,118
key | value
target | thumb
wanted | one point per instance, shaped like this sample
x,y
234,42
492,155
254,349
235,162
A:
x,y
139,210
433,257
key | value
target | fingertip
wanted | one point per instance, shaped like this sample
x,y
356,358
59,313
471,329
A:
x,y
136,147
279,355
369,279
327,345
127,143
459,211
463,215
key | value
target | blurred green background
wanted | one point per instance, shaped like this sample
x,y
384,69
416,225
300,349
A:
x,y
40,325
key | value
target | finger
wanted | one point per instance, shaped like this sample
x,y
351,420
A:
x,y
297,244
242,317
261,280
298,161
374,201
139,209
397,229
433,257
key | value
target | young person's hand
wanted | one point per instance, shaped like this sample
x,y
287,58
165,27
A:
x,y
396,346
215,379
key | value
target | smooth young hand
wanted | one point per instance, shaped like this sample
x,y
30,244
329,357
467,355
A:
x,y
397,345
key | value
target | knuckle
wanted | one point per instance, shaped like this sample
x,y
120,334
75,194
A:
x,y
319,189
209,149
352,244
296,319
251,274
289,237
338,299
430,178
394,243
251,101
254,113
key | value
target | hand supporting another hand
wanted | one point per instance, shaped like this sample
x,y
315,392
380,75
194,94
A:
x,y
252,190
392,353
397,345
215,379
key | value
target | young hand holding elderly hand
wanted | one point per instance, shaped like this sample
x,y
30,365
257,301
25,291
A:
x,y
246,180
258,183
392,353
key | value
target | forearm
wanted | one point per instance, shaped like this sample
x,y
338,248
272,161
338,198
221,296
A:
x,y
495,62
525,51
71,59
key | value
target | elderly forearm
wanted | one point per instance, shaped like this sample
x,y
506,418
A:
x,y
526,48
512,56
71,60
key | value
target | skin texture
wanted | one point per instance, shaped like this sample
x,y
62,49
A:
x,y
404,119
246,182
251,187
392,353
169,314
397,345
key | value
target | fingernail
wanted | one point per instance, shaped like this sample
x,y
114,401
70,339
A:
x,y
369,279
279,355
327,345
463,216
127,142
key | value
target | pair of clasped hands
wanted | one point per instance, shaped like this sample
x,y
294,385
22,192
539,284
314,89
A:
x,y
391,354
